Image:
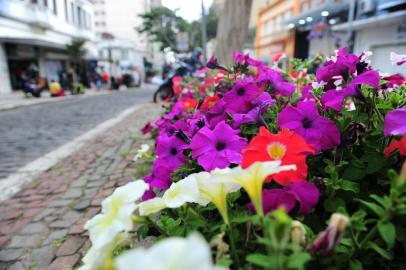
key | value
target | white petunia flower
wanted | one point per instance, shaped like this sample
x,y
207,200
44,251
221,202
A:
x,y
214,189
320,84
177,253
116,214
141,152
179,193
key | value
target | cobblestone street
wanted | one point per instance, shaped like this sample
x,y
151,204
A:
x,y
42,226
30,132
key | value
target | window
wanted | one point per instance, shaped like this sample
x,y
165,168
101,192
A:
x,y
79,15
55,7
66,11
72,12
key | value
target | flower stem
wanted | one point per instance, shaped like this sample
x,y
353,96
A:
x,y
368,237
234,249
153,224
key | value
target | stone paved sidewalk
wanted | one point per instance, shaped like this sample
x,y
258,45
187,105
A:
x,y
41,227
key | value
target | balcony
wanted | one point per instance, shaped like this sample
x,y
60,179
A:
x,y
32,14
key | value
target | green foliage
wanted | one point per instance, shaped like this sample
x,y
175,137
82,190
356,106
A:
x,y
162,24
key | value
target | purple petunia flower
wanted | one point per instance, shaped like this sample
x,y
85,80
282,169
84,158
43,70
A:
x,y
395,122
305,193
245,59
161,175
217,148
275,84
238,99
326,242
148,195
170,149
147,128
334,98
262,103
305,120
217,114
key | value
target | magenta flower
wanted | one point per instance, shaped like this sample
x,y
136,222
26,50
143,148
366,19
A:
x,y
170,150
305,120
148,195
217,148
275,84
147,128
262,103
334,98
238,99
161,175
217,114
395,122
245,59
305,193
326,242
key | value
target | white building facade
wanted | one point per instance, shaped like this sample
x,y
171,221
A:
x,y
119,19
36,32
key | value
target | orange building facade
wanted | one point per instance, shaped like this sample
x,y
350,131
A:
x,y
273,36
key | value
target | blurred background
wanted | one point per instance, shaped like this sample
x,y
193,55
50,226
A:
x,y
89,43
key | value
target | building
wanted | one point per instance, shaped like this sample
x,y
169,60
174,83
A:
x,y
34,33
379,27
322,26
272,35
119,20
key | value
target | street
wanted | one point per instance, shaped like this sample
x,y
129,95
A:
x,y
30,132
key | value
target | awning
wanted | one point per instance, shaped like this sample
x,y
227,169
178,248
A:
x,y
373,21
34,42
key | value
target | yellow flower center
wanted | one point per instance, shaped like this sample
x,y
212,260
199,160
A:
x,y
276,150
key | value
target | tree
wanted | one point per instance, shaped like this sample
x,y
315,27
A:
x,y
195,29
76,50
232,28
162,25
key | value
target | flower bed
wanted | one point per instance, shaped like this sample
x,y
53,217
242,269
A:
x,y
257,169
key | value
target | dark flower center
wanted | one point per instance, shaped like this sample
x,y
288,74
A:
x,y
174,151
307,123
270,87
200,123
220,146
241,91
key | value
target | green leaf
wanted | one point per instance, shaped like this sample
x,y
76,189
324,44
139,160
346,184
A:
x,y
224,262
298,260
332,204
375,162
349,186
379,211
356,265
385,254
388,232
259,259
379,199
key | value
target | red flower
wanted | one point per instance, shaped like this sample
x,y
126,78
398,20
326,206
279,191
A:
x,y
209,102
190,103
286,146
396,144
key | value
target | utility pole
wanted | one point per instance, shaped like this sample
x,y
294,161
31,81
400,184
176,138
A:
x,y
204,33
350,31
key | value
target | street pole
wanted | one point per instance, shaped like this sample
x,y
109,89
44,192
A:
x,y
350,31
204,33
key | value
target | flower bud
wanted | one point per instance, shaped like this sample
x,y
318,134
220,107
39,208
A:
x,y
298,233
330,237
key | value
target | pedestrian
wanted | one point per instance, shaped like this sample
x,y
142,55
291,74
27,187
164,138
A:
x,y
55,89
105,79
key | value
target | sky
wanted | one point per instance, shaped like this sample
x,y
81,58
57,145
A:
x,y
190,10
